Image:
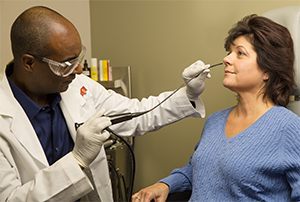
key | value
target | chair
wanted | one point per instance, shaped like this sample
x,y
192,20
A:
x,y
179,196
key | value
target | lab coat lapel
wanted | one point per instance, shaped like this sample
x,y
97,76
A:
x,y
19,124
78,109
72,105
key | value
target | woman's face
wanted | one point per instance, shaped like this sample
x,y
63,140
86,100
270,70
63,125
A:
x,y
242,73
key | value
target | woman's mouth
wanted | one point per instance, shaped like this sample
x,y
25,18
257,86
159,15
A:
x,y
228,72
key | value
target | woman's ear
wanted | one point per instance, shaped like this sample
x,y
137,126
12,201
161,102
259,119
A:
x,y
28,62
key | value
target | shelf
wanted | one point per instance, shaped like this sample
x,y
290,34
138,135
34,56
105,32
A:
x,y
121,82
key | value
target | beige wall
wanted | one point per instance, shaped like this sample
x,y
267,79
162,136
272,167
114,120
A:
x,y
158,39
78,12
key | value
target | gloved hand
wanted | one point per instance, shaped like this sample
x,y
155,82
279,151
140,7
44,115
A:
x,y
196,86
90,137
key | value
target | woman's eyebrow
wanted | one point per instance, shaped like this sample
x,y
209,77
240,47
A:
x,y
242,47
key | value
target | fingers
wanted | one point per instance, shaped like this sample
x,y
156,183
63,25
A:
x,y
104,136
204,75
135,198
157,192
194,69
208,75
100,123
142,197
199,62
96,125
96,115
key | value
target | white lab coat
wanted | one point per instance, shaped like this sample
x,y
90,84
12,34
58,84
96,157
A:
x,y
25,174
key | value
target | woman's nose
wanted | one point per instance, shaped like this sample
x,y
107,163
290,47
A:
x,y
227,60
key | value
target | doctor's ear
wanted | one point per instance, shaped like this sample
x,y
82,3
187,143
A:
x,y
28,62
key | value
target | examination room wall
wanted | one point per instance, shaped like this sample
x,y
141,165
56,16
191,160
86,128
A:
x,y
158,39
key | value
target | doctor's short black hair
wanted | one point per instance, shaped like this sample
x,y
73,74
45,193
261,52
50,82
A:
x,y
275,53
30,32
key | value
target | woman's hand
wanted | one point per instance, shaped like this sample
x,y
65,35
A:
x,y
157,192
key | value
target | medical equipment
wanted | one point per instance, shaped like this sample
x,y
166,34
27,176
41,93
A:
x,y
128,116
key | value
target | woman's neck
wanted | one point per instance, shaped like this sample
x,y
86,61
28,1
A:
x,y
246,113
253,106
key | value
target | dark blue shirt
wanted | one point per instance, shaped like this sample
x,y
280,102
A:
x,y
48,122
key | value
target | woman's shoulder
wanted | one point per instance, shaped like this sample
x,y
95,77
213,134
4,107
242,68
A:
x,y
223,112
218,115
283,113
281,116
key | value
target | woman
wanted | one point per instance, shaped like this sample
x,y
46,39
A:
x,y
250,152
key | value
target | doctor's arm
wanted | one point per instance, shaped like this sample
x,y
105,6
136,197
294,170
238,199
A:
x,y
177,107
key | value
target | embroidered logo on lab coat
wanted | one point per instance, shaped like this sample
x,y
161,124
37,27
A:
x,y
85,93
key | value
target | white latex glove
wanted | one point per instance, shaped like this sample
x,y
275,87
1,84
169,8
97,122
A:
x,y
90,137
196,86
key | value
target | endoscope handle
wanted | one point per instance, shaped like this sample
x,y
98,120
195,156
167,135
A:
x,y
120,118
114,119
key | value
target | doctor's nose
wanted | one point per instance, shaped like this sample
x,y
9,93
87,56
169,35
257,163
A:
x,y
78,69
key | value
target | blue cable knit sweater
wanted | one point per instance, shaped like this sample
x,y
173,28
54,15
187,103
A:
x,y
261,163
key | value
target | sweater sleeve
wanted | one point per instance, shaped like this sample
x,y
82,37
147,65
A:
x,y
292,157
179,180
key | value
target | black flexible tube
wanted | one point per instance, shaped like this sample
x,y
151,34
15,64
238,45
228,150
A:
x,y
133,162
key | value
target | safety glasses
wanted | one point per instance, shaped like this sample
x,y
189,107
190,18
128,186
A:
x,y
63,68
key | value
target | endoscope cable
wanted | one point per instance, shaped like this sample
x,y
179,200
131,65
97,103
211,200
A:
x,y
128,116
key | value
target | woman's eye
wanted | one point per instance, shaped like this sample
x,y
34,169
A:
x,y
241,53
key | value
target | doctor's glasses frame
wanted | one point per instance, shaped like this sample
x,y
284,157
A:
x,y
63,68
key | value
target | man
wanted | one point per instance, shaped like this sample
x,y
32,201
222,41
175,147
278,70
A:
x,y
42,156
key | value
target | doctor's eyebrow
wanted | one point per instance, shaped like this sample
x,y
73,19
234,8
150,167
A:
x,y
69,59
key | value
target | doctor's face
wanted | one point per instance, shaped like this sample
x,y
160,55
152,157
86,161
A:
x,y
65,45
242,73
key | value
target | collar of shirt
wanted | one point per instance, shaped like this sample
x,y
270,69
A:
x,y
30,107
48,122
